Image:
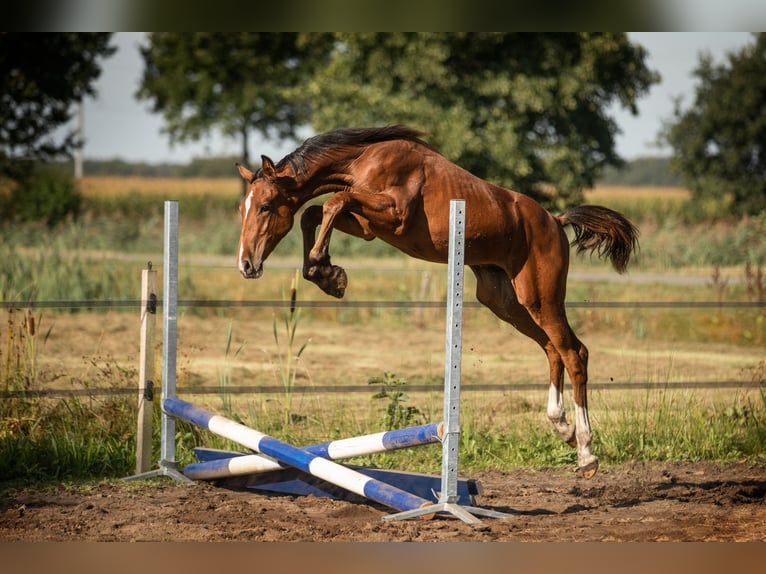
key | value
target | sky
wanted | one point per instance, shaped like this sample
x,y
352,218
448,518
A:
x,y
118,126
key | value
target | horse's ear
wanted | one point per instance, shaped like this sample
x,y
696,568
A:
x,y
269,170
246,174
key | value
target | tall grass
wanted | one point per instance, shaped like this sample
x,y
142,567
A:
x,y
73,439
672,426
642,203
224,374
125,215
56,272
69,438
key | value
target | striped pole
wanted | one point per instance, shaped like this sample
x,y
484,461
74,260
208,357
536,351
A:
x,y
240,465
303,460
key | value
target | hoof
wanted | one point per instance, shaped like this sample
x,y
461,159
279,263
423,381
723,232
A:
x,y
332,280
337,282
589,469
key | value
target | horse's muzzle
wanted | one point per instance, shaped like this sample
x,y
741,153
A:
x,y
250,270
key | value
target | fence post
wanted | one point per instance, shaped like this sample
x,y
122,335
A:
x,y
146,369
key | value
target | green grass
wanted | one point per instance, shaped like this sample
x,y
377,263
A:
x,y
675,425
77,439
65,440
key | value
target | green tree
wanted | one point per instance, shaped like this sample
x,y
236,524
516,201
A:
x,y
719,143
527,111
41,77
238,82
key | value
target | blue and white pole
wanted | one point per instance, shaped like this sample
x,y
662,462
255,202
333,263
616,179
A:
x,y
301,459
241,465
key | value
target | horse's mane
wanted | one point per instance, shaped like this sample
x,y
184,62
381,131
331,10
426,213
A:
x,y
323,146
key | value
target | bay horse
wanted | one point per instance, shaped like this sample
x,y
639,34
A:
x,y
388,183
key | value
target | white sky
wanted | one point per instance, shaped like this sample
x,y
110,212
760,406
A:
x,y
117,126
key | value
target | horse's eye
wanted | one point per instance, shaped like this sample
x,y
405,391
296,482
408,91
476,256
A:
x,y
265,208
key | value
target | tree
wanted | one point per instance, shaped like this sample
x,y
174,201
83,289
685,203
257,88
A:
x,y
719,143
238,82
527,111
41,77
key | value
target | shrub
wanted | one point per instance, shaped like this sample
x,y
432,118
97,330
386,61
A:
x,y
47,194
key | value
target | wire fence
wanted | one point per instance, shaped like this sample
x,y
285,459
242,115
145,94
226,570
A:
x,y
368,304
275,304
345,389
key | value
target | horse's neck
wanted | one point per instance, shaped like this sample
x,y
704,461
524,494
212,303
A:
x,y
323,181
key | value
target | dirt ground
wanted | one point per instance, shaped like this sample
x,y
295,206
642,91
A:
x,y
635,502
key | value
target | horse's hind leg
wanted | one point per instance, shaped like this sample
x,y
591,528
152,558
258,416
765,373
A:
x,y
546,307
494,290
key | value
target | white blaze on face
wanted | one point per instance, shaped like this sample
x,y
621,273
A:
x,y
248,204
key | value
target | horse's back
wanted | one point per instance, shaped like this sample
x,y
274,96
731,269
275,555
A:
x,y
499,220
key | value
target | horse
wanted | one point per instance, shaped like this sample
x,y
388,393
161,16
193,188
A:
x,y
389,183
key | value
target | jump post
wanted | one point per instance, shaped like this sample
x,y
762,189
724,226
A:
x,y
317,460
448,497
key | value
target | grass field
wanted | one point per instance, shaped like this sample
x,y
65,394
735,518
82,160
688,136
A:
x,y
100,187
102,255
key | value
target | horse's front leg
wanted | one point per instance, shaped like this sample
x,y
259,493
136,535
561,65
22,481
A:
x,y
316,266
351,213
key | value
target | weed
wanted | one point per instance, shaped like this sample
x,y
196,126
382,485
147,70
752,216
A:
x,y
719,283
286,353
224,377
755,282
19,370
397,415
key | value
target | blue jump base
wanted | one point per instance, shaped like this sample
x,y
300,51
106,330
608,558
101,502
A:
x,y
295,457
290,481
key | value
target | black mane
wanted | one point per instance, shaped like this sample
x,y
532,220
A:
x,y
322,145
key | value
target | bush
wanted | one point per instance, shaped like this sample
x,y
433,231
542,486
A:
x,y
46,194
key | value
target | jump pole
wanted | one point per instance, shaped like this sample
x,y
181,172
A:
x,y
448,496
295,457
168,465
341,449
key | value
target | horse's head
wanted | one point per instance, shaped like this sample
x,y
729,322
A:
x,y
267,215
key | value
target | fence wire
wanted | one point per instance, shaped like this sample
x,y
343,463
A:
x,y
329,389
274,304
334,304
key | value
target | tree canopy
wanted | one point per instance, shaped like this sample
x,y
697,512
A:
x,y
527,111
239,82
719,142
41,77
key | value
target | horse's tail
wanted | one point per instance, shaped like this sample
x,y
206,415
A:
x,y
603,230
